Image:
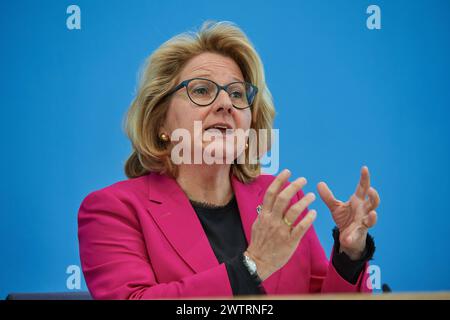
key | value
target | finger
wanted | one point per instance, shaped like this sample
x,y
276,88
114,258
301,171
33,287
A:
x,y
300,229
373,200
364,183
371,219
327,196
297,208
284,197
274,188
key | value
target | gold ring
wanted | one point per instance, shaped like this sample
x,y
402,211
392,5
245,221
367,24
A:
x,y
287,222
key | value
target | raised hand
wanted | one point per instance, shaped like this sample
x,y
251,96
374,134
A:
x,y
275,236
355,216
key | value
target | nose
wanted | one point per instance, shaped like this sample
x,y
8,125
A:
x,y
223,103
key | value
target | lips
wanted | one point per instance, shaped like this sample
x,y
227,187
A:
x,y
222,127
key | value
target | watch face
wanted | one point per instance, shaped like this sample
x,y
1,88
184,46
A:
x,y
251,264
251,267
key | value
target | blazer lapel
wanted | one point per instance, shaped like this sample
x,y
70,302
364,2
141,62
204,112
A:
x,y
175,216
248,197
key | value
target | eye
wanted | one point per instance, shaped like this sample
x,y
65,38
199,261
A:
x,y
200,91
236,91
236,94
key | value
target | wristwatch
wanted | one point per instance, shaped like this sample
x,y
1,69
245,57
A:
x,y
251,267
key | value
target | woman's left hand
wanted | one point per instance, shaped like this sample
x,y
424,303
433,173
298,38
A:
x,y
354,217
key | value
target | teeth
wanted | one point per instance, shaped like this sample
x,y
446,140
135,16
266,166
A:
x,y
217,127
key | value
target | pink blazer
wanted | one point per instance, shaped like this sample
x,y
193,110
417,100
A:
x,y
141,239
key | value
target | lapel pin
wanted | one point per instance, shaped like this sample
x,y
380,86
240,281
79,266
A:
x,y
258,209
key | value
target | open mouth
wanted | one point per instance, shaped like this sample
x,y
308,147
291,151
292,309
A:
x,y
221,128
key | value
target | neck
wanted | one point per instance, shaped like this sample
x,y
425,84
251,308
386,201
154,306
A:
x,y
206,183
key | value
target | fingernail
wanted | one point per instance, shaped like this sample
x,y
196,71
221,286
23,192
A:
x,y
300,180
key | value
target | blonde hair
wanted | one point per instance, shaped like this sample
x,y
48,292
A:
x,y
148,110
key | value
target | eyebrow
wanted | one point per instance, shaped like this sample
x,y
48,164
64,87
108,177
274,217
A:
x,y
208,76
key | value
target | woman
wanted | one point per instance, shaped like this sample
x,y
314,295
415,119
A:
x,y
183,229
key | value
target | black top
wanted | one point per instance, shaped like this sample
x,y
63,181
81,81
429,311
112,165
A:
x,y
223,227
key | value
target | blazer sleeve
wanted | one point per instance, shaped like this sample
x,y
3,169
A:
x,y
324,277
115,262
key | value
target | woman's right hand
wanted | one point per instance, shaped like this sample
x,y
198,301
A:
x,y
273,241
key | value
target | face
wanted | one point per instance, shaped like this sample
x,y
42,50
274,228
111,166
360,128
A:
x,y
182,112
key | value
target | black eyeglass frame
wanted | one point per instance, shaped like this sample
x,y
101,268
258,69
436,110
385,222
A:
x,y
185,83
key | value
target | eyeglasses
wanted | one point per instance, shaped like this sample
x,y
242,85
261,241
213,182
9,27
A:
x,y
204,92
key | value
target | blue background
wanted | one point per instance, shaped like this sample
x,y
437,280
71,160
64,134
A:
x,y
345,96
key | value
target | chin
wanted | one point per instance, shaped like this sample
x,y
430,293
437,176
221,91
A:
x,y
221,153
